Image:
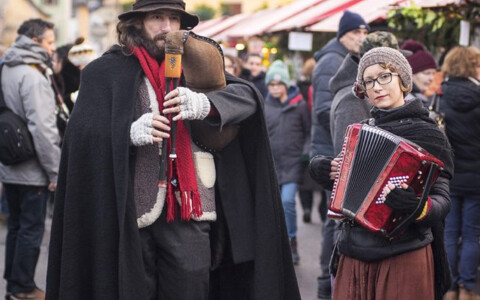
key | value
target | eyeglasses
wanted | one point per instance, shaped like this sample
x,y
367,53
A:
x,y
382,79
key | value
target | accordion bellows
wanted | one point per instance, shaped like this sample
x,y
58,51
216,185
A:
x,y
371,158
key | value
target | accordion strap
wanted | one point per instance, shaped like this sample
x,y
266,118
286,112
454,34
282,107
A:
x,y
421,204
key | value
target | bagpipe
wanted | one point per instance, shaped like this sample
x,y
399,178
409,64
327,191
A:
x,y
371,158
201,62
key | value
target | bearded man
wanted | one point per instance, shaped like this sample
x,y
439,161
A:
x,y
116,232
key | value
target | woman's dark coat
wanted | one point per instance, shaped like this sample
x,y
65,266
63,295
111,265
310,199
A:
x,y
461,104
95,248
288,127
411,122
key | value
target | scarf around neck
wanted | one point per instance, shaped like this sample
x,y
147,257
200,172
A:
x,y
182,168
410,121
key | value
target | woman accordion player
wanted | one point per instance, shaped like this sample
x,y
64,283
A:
x,y
412,265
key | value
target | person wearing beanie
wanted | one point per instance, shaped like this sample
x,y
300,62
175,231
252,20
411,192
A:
x,y
347,108
288,124
352,30
423,66
413,264
82,54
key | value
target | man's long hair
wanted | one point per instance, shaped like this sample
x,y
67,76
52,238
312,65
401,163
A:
x,y
131,34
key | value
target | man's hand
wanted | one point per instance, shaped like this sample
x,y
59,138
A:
x,y
52,186
187,104
149,129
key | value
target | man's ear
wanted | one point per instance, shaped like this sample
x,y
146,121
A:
x,y
36,40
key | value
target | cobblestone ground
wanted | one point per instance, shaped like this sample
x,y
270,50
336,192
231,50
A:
x,y
309,239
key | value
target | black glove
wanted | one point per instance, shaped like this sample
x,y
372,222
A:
x,y
403,201
320,168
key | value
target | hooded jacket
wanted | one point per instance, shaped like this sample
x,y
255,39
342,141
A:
x,y
288,127
461,104
329,59
29,94
346,108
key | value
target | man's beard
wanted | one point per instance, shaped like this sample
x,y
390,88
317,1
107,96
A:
x,y
156,51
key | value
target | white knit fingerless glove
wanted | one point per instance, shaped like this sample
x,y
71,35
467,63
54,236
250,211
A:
x,y
141,130
193,106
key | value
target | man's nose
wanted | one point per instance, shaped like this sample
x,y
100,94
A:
x,y
166,26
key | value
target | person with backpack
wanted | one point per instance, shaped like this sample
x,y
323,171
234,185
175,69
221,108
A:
x,y
27,92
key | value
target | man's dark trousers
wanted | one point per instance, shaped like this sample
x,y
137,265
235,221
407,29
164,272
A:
x,y
26,225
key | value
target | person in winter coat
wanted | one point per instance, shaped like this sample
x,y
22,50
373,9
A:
x,y
352,30
412,265
253,71
424,68
347,108
28,92
67,75
288,124
461,104
207,224
308,186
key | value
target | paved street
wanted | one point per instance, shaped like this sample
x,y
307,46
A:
x,y
307,271
309,236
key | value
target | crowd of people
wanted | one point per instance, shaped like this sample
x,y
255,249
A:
x,y
184,187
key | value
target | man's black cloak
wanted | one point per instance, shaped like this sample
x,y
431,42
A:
x,y
95,250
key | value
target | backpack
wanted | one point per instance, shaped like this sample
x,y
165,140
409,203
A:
x,y
16,143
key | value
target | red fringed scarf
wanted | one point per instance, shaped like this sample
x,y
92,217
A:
x,y
183,167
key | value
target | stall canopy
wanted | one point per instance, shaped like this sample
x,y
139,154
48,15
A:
x,y
257,23
372,10
311,15
224,24
314,14
203,25
263,23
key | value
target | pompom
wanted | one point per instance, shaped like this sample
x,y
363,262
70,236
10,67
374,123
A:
x,y
413,46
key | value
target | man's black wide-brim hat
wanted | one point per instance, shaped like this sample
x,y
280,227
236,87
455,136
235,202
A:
x,y
144,6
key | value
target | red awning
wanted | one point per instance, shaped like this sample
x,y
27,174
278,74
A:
x,y
322,10
261,21
224,24
203,25
370,10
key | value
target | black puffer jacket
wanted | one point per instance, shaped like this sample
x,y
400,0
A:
x,y
461,104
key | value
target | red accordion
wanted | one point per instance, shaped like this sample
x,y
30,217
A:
x,y
370,159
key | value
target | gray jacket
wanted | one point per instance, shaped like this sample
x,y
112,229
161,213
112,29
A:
x,y
288,127
29,94
328,60
346,108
